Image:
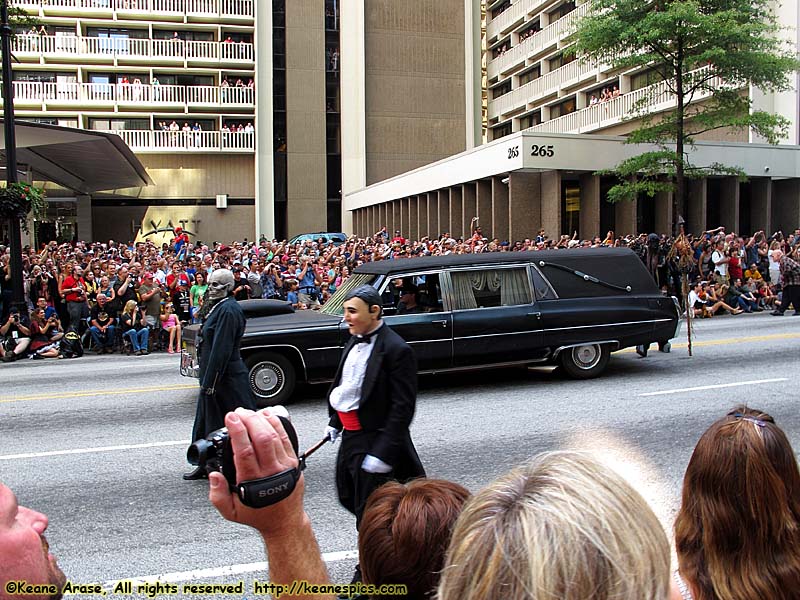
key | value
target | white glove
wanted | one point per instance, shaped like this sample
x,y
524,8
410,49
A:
x,y
332,434
373,464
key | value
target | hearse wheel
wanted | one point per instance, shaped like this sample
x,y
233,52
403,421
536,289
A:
x,y
272,378
585,362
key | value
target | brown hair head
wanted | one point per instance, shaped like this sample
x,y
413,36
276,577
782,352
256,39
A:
x,y
405,531
737,533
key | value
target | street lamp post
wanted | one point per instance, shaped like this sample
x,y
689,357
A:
x,y
18,303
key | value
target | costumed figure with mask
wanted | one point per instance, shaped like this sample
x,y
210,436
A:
x,y
224,384
371,404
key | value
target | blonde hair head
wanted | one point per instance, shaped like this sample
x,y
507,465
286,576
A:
x,y
129,306
560,527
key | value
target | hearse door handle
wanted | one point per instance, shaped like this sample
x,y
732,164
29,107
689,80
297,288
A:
x,y
535,315
443,322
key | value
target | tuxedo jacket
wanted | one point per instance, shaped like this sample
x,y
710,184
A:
x,y
388,400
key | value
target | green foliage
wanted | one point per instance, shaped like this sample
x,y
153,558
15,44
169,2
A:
x,y
707,53
19,199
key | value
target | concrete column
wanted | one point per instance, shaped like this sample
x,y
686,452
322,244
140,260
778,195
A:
x,y
444,212
394,218
551,203
729,204
469,201
524,205
663,201
405,209
625,218
697,206
264,163
500,212
785,205
306,152
354,217
456,212
433,215
421,217
84,218
589,219
352,68
760,205
484,204
413,217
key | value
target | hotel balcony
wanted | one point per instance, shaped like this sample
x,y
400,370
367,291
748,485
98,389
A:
x,y
613,112
520,55
46,49
211,11
30,95
550,84
145,141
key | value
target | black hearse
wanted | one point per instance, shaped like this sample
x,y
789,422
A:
x,y
571,308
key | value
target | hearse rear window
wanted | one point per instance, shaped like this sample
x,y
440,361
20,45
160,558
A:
x,y
492,287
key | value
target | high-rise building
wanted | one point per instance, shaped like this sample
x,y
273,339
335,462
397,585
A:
x,y
548,119
231,105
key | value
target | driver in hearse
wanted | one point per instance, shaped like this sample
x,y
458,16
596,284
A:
x,y
409,300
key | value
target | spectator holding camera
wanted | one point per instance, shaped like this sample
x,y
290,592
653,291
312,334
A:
x,y
308,280
42,345
103,325
15,336
134,327
73,293
271,282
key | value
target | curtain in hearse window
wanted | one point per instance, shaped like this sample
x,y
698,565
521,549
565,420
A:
x,y
496,287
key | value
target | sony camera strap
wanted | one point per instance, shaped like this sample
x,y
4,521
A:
x,y
258,493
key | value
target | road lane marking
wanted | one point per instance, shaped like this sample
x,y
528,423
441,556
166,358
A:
x,y
702,344
93,450
106,392
714,387
182,576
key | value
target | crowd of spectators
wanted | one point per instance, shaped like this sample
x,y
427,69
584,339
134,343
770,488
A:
x,y
87,285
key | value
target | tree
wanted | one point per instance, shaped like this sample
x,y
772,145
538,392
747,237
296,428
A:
x,y
707,53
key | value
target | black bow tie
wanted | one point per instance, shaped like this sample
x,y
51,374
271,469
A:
x,y
364,339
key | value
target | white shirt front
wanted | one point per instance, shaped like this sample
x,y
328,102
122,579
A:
x,y
722,267
346,396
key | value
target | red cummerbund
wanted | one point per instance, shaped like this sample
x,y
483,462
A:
x,y
350,420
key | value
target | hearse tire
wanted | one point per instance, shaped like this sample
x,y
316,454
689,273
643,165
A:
x,y
584,362
272,378
664,347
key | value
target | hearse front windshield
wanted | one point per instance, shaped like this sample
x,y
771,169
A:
x,y
334,305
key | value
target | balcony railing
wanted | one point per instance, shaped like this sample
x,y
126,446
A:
x,y
189,141
131,49
140,95
534,44
546,85
199,8
611,112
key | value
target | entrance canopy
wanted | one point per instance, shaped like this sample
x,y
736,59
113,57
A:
x,y
78,159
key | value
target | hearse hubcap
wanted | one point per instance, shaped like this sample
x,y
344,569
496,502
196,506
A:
x,y
586,357
267,379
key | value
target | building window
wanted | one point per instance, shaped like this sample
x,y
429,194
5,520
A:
x,y
530,120
570,207
562,108
532,29
501,89
561,60
645,78
119,124
530,75
499,10
501,131
561,11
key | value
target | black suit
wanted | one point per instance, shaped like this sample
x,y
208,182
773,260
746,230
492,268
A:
x,y
386,408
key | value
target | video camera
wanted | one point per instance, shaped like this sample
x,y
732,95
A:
x,y
215,453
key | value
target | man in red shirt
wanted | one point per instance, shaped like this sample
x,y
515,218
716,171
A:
x,y
74,295
398,237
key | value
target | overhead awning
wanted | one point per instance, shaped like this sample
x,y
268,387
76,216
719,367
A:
x,y
78,159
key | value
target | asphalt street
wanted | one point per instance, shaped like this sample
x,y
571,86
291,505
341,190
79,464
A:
x,y
98,444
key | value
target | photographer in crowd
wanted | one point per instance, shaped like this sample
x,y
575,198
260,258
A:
x,y
43,344
14,337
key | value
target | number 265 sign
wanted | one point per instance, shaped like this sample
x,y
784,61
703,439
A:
x,y
540,150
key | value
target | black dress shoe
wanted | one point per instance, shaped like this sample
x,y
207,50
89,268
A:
x,y
196,473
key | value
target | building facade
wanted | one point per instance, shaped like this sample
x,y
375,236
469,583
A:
x,y
536,87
